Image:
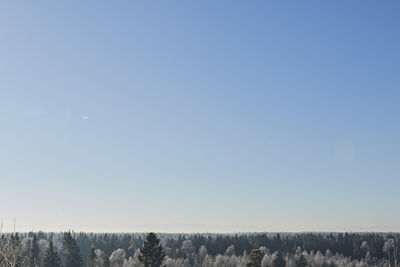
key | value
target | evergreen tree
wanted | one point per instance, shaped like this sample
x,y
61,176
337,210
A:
x,y
106,262
34,252
51,259
151,254
71,251
29,246
255,258
302,261
92,256
278,260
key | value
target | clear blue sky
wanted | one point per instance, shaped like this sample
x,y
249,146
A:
x,y
200,115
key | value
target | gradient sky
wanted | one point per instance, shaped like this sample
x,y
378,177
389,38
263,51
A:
x,y
198,116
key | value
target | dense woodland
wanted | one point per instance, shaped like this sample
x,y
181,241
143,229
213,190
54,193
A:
x,y
259,249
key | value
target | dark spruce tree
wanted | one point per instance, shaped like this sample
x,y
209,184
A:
x,y
278,260
34,252
29,248
72,252
151,254
255,258
92,257
302,261
106,262
51,259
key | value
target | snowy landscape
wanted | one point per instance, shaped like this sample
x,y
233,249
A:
x,y
208,133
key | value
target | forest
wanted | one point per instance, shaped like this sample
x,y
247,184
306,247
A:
x,y
70,249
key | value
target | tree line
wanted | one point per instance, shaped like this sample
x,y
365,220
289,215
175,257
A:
x,y
71,249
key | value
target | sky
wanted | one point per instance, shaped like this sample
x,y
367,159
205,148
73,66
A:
x,y
200,116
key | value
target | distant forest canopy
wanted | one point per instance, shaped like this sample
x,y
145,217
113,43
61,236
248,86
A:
x,y
263,249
